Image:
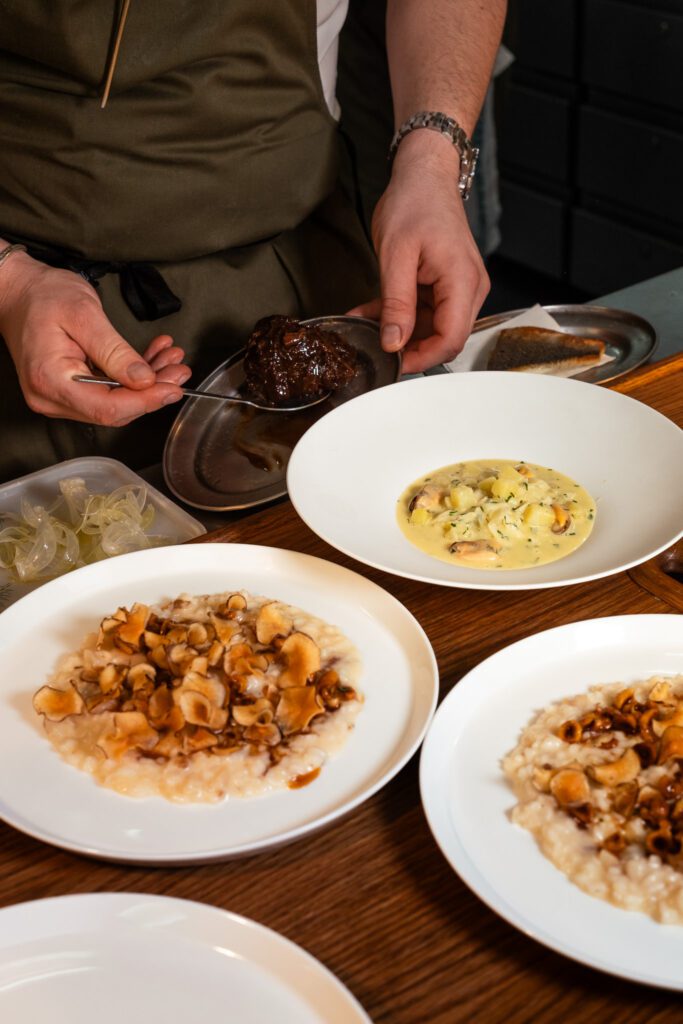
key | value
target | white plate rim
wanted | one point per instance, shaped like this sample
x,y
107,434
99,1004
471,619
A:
x,y
103,905
459,857
278,839
487,582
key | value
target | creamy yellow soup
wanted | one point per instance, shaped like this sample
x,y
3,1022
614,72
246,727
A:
x,y
496,514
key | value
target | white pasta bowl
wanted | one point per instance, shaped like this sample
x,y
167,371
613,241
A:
x,y
348,471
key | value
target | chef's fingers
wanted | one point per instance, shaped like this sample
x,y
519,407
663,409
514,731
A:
x,y
372,309
156,346
107,350
398,264
95,403
456,305
167,357
174,374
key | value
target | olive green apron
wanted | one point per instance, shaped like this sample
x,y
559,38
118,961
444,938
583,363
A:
x,y
216,160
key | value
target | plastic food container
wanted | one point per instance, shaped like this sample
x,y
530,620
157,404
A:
x,y
102,476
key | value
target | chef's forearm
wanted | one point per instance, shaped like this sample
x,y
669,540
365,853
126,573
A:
x,y
441,53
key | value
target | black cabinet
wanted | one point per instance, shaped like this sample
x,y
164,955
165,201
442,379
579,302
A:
x,y
590,136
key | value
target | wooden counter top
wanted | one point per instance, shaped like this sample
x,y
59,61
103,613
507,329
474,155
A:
x,y
371,896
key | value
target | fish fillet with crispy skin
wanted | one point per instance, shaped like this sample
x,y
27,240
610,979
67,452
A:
x,y
543,351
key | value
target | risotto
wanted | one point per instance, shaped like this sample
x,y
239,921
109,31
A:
x,y
203,698
599,783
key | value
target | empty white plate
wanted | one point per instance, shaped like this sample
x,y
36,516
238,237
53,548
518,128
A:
x,y
348,471
467,798
42,795
121,956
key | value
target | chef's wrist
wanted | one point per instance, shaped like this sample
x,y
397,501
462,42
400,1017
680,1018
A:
x,y
16,271
428,150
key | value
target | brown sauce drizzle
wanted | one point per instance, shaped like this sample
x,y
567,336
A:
x,y
299,781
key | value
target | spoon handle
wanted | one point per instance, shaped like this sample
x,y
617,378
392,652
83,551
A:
x,y
83,379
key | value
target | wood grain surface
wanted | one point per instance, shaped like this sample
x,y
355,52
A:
x,y
371,896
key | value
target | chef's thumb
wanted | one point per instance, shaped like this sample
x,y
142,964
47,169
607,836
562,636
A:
x,y
112,354
399,301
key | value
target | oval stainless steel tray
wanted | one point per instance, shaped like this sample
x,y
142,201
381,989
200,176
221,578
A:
x,y
227,458
628,338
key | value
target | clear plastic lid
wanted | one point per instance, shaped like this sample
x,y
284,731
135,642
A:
x,y
101,476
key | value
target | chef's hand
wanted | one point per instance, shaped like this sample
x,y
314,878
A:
x,y
432,276
55,327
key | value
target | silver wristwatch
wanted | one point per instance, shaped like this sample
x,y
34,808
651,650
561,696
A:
x,y
449,127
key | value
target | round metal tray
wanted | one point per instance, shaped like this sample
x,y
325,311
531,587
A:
x,y
630,339
225,457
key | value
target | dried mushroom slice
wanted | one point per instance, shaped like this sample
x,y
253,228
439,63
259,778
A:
x,y
332,691
170,745
541,778
225,628
176,634
160,704
198,739
214,655
56,705
128,635
615,843
131,731
141,676
624,769
200,665
269,735
624,798
271,621
235,603
153,640
570,786
199,710
197,634
661,692
623,697
646,723
671,744
259,713
301,656
571,731
111,678
297,706
659,726
213,689
108,626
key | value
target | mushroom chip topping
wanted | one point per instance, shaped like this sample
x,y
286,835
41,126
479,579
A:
x,y
204,697
599,779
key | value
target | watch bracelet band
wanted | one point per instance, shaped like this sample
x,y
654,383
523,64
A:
x,y
8,250
448,126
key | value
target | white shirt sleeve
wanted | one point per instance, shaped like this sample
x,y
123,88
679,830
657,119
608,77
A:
x,y
331,17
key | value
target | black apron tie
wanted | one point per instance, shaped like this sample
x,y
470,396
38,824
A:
x,y
145,292
143,288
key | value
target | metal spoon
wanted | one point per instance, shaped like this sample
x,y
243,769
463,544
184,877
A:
x,y
82,379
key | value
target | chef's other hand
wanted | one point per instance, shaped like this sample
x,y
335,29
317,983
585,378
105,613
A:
x,y
432,276
55,327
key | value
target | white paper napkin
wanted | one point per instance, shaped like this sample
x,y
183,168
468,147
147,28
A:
x,y
478,346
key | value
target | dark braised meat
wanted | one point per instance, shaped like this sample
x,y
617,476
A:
x,y
287,362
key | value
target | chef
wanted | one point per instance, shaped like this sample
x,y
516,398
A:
x,y
171,171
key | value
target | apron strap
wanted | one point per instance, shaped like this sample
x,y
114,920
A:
x,y
143,288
